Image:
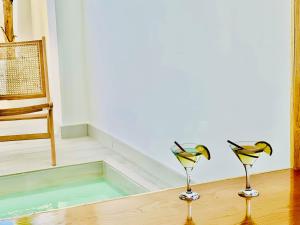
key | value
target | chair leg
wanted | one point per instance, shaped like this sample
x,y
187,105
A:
x,y
51,133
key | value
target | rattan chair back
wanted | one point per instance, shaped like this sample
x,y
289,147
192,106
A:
x,y
22,72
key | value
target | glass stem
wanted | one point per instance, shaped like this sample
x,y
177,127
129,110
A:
x,y
247,167
188,179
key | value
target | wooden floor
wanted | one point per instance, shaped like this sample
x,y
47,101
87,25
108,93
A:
x,y
278,204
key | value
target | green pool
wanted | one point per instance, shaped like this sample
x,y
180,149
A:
x,y
38,191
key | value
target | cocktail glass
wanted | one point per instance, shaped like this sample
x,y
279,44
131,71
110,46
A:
x,y
248,152
188,155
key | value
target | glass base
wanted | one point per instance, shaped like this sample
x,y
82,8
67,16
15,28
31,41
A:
x,y
189,196
248,193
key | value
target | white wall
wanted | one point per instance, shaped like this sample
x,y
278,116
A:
x,y
68,15
39,18
22,20
192,71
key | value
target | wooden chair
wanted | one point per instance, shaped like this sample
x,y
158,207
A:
x,y
23,77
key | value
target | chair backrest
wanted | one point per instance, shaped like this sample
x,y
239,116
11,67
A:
x,y
23,70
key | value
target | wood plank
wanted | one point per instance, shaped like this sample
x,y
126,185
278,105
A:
x,y
278,204
8,20
20,42
21,137
52,138
44,68
20,97
24,117
25,110
295,106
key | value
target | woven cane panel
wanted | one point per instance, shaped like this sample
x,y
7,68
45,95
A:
x,y
20,71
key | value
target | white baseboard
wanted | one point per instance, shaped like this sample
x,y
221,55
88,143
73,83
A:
x,y
105,139
73,131
164,175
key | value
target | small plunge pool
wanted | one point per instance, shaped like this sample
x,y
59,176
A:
x,y
55,188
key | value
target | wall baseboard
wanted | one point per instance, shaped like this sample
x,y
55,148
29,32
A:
x,y
163,175
73,131
158,173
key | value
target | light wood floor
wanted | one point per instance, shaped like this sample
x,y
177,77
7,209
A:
x,y
278,204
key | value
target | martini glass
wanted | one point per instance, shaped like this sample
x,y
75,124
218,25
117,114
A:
x,y
248,152
188,155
